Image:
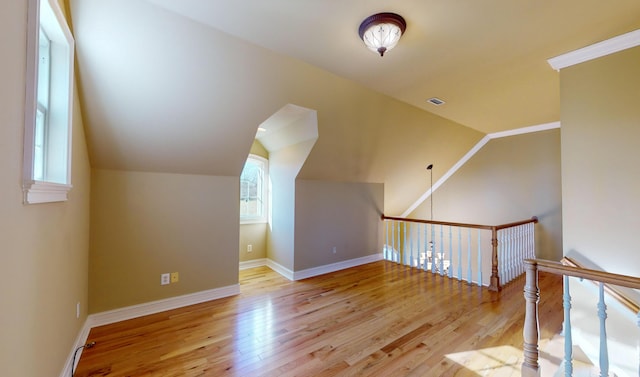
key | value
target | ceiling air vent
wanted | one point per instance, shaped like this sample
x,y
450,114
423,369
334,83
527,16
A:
x,y
435,101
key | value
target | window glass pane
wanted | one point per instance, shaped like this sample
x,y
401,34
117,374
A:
x,y
44,69
252,181
39,145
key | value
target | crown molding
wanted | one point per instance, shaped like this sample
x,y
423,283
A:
x,y
472,152
597,50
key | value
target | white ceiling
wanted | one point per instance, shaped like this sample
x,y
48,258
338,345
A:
x,y
486,59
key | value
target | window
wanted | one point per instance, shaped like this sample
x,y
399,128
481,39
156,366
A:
x,y
253,190
48,105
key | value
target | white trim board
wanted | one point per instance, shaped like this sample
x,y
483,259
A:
x,y
321,270
282,270
253,263
81,340
597,50
153,307
472,152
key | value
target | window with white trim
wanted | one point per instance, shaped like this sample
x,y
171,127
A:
x,y
253,190
48,105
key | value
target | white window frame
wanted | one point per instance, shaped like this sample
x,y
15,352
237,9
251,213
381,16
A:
x,y
55,182
265,192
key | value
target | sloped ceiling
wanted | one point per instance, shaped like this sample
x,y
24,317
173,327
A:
x,y
181,86
487,59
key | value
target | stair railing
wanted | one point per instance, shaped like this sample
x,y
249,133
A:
x,y
604,281
459,250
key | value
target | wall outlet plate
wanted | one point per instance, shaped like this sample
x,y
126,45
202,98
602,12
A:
x,y
249,248
175,277
165,279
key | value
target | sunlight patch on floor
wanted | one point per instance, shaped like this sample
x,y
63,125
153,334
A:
x,y
494,361
507,360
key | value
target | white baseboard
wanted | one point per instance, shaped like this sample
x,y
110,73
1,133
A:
x,y
129,312
282,270
253,263
321,270
81,340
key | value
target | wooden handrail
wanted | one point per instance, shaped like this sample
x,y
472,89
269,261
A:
x,y
494,283
585,273
446,223
534,219
611,290
530,365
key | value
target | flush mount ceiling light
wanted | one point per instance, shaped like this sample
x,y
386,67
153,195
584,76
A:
x,y
382,31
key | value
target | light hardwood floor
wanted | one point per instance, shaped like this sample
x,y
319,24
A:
x,y
379,319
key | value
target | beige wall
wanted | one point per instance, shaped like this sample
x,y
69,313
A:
x,y
343,215
509,179
146,224
284,165
600,116
256,236
43,247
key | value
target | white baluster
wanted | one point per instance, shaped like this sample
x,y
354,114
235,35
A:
x,y
505,260
514,252
441,256
513,255
604,353
450,258
398,244
504,246
479,258
568,340
426,247
469,274
511,247
403,243
459,253
523,251
393,241
410,231
433,246
385,250
418,245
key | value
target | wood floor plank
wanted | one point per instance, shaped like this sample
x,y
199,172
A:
x,y
378,319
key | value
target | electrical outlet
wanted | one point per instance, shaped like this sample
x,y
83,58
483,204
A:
x,y
78,310
249,248
165,279
175,277
334,250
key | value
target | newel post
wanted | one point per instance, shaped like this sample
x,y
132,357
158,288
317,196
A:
x,y
530,365
494,284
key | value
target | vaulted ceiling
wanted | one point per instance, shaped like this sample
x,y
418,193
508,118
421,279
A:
x,y
486,59
181,86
